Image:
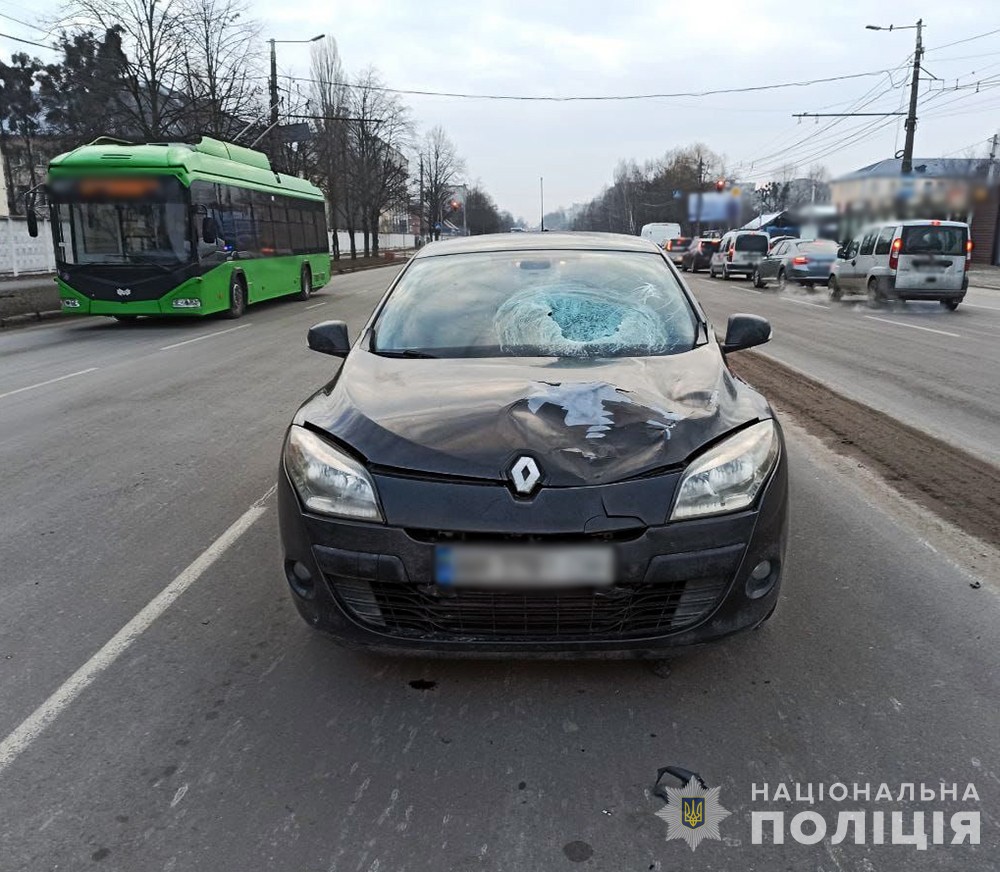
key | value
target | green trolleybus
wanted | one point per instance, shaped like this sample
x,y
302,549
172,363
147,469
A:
x,y
177,229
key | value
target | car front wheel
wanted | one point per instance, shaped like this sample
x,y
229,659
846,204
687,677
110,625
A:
x,y
835,290
950,305
237,298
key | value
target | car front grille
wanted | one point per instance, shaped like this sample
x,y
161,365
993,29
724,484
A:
x,y
428,611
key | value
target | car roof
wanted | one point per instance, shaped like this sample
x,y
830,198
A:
x,y
912,222
538,242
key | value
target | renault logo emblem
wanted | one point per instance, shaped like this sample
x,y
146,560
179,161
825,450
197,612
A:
x,y
124,292
525,475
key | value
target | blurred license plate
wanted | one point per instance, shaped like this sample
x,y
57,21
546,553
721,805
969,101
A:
x,y
523,566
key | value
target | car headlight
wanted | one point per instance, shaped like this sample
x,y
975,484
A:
x,y
729,475
328,481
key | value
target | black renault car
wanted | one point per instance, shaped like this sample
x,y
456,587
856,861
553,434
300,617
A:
x,y
535,446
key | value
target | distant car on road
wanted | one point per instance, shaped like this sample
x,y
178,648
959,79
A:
x,y
676,248
699,253
905,260
568,468
659,233
739,253
806,261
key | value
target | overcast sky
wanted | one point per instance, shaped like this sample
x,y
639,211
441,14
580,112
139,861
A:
x,y
603,48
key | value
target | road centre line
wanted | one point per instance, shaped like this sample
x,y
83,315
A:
x,y
205,336
49,382
32,726
914,326
804,302
317,305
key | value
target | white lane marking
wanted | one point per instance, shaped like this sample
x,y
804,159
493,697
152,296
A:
x,y
32,726
51,381
750,290
914,326
978,306
317,305
205,336
804,303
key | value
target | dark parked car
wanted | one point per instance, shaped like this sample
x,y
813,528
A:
x,y
676,248
699,253
806,261
535,446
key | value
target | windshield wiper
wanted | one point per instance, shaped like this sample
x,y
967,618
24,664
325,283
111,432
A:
x,y
407,352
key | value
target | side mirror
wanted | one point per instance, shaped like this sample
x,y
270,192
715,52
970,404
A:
x,y
746,331
330,337
209,230
842,253
32,222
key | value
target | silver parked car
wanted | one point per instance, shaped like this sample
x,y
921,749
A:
x,y
806,261
739,253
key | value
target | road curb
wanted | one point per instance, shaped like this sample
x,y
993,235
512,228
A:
x,y
338,271
32,317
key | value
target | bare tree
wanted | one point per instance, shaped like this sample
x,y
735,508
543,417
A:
x,y
442,168
330,101
380,131
220,65
153,36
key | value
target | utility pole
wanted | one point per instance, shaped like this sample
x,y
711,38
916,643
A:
x,y
274,84
993,159
911,118
273,87
420,200
541,198
701,183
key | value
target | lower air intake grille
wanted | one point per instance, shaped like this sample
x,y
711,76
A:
x,y
623,611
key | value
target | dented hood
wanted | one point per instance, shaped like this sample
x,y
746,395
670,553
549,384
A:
x,y
585,421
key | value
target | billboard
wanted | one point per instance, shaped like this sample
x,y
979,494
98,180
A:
x,y
717,207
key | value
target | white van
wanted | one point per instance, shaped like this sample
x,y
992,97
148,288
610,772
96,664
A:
x,y
738,253
660,233
905,260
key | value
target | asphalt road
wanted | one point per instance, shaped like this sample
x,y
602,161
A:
x,y
934,369
221,733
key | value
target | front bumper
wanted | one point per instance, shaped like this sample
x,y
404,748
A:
x,y
75,303
680,583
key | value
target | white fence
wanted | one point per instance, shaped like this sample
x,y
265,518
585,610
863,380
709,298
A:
x,y
19,253
22,255
385,241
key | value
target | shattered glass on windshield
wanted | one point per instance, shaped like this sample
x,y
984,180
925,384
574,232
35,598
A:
x,y
569,320
549,304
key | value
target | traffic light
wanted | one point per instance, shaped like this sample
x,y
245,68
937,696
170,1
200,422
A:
x,y
720,185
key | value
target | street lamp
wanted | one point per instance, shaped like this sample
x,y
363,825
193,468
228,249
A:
x,y
274,72
911,116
